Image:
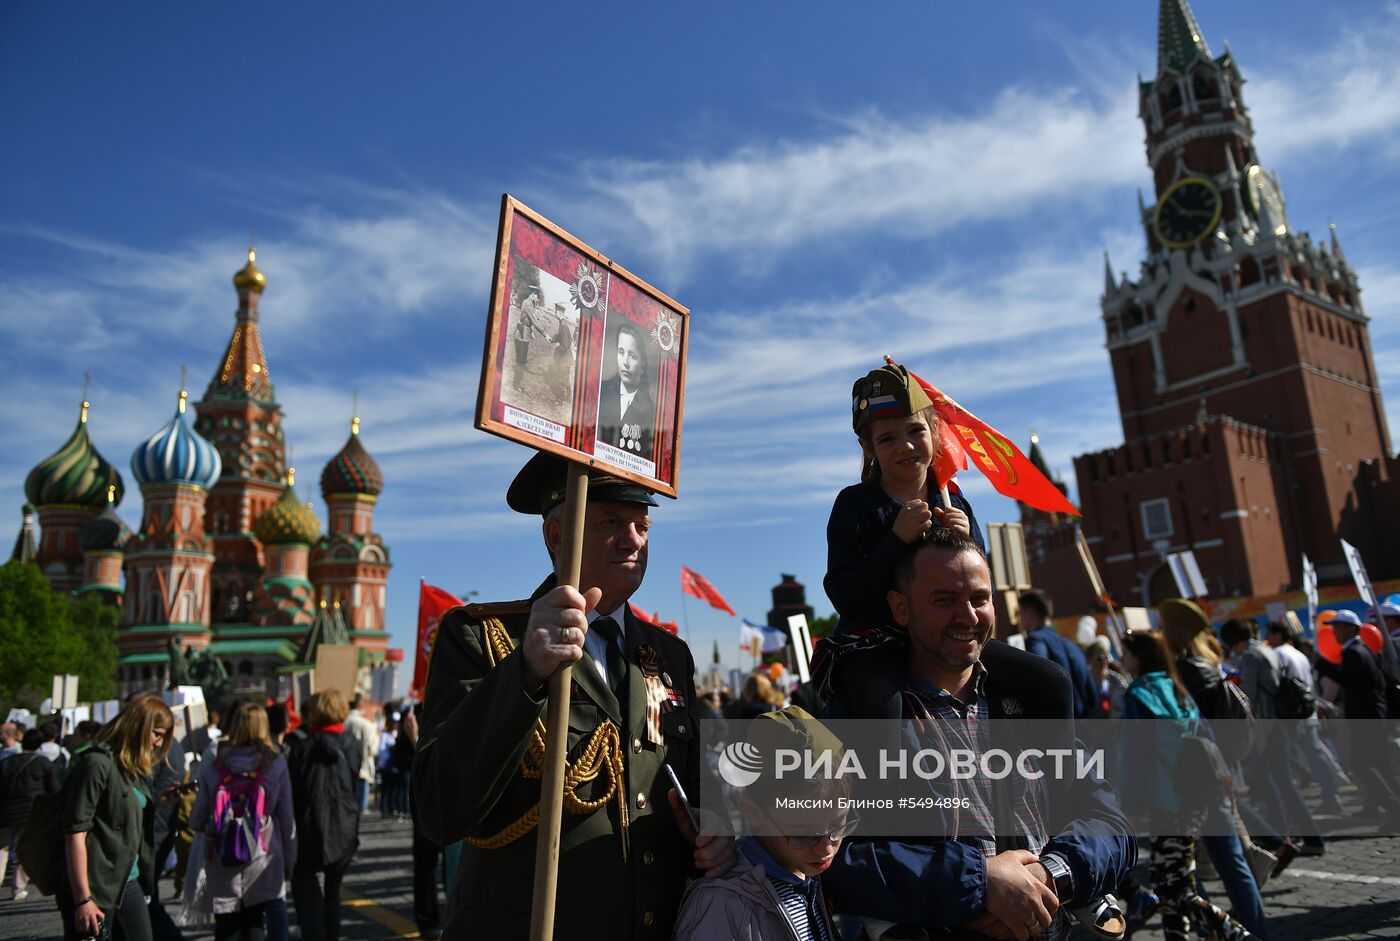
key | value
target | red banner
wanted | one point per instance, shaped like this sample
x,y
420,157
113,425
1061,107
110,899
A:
x,y
654,619
693,583
967,439
433,603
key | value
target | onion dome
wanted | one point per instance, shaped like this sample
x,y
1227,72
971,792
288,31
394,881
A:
x,y
75,474
352,470
177,454
249,277
287,520
106,532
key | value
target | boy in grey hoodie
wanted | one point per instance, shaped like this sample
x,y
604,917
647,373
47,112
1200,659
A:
x,y
774,890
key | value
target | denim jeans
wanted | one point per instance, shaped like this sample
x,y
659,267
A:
x,y
1274,792
1227,853
277,927
1320,763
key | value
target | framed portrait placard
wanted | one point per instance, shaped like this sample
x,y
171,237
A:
x,y
582,358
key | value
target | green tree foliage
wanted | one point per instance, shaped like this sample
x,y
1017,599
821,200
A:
x,y
822,627
95,625
44,633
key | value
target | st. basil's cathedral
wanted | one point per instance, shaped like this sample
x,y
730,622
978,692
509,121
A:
x,y
227,558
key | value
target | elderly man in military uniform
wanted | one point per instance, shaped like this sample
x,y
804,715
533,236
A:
x,y
625,846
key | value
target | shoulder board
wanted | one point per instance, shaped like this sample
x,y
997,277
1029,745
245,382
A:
x,y
659,630
496,609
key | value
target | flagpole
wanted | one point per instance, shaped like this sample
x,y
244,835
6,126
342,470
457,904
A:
x,y
685,617
557,722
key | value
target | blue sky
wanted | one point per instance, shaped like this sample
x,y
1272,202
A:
x,y
820,184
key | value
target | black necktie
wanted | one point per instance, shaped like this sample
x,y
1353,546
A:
x,y
611,632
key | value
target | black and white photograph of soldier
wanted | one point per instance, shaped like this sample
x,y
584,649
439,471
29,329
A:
x,y
627,397
541,350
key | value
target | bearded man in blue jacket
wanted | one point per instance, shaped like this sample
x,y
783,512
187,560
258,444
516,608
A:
x,y
1018,852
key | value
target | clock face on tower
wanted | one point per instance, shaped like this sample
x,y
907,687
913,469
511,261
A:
x,y
1187,212
1266,200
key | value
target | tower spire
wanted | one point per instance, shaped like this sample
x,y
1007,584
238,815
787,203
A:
x,y
1336,243
1109,286
1179,38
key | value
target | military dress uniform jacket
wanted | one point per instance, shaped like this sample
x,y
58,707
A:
x,y
478,723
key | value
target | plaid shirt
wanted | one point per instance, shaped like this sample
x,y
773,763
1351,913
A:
x,y
943,721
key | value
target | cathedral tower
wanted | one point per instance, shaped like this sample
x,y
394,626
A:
x,y
287,529
69,488
169,559
350,564
102,540
240,415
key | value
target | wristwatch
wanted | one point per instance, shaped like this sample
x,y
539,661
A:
x,y
1059,874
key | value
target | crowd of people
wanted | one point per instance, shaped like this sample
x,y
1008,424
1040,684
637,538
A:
x,y
1208,730
271,807
909,580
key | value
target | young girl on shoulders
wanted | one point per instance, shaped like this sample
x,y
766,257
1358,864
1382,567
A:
x,y
896,502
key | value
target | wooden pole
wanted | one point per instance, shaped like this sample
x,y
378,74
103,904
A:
x,y
557,723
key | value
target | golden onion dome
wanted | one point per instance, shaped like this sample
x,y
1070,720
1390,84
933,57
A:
x,y
249,277
287,520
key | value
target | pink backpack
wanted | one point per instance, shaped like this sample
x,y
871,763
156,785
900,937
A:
x,y
240,817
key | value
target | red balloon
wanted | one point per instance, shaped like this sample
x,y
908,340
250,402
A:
x,y
1327,646
1371,637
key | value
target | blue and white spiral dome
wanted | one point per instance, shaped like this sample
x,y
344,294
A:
x,y
177,455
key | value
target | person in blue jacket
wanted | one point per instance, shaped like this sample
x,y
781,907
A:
x,y
1023,849
1158,715
1044,641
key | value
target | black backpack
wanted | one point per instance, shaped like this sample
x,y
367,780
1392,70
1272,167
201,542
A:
x,y
1294,699
1227,708
1201,775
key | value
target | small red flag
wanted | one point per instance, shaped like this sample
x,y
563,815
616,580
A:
x,y
433,603
965,439
654,619
693,583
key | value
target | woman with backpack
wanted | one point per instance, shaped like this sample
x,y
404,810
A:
x,y
23,777
108,824
244,808
1242,866
324,765
1151,793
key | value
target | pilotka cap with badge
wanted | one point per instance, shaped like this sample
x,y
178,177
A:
x,y
885,393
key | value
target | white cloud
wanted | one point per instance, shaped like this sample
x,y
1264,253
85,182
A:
x,y
1342,94
911,177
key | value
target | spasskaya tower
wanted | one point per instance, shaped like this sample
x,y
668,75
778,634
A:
x,y
1253,425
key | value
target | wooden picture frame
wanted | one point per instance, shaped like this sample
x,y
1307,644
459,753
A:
x,y
567,332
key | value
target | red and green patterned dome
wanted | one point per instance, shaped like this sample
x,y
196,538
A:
x,y
287,520
352,471
75,474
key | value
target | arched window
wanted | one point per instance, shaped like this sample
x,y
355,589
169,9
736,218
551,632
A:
x,y
1204,86
1171,96
1249,272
